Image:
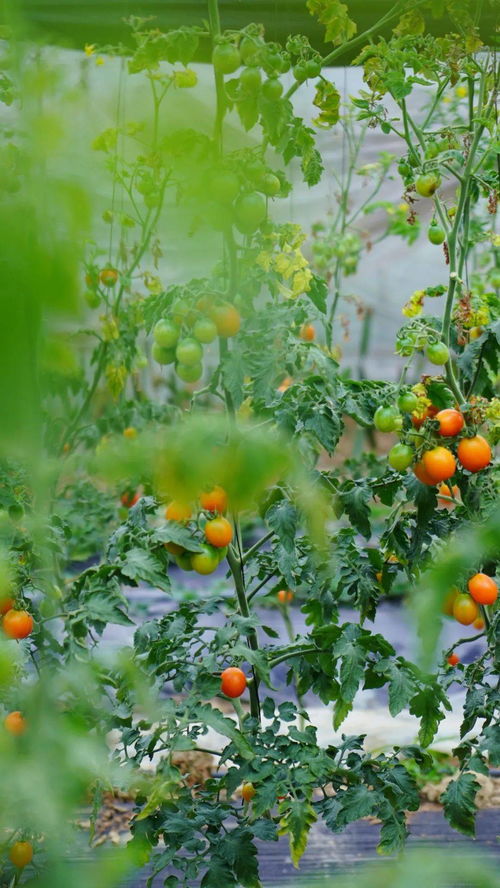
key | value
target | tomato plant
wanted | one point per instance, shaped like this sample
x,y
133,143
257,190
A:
x,y
122,468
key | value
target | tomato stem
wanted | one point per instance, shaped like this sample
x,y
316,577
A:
x,y
236,567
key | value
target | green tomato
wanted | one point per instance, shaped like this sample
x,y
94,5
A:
x,y
313,68
436,234
226,58
400,457
272,89
162,355
165,333
300,72
189,372
250,212
270,185
152,200
205,330
224,186
184,561
222,553
145,184
179,311
387,419
249,50
250,81
188,351
404,168
437,353
92,298
432,149
407,402
205,562
427,184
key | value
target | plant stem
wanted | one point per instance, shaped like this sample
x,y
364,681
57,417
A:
x,y
214,24
258,545
236,567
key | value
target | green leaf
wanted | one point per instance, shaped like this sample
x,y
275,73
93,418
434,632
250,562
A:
x,y
142,566
426,706
459,803
355,496
214,719
349,805
282,518
296,822
334,16
401,688
318,293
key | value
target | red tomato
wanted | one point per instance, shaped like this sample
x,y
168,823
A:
x,y
6,604
483,588
451,422
21,853
453,659
422,474
439,463
474,453
17,624
15,723
218,532
129,499
233,682
307,332
284,596
214,500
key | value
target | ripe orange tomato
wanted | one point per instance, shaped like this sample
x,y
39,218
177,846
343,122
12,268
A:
x,y
439,463
233,681
307,332
15,723
214,500
422,474
483,588
21,853
443,491
130,432
451,422
465,609
285,596
6,604
129,498
219,532
108,277
474,453
177,511
248,791
227,319
17,624
453,659
479,623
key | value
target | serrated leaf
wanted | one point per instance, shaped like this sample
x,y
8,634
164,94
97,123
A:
x,y
355,496
282,518
459,803
297,822
214,719
426,706
318,293
401,689
141,566
334,15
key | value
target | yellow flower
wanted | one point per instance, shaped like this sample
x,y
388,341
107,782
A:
x,y
99,61
185,79
264,259
153,284
109,328
461,92
116,375
284,264
89,49
301,281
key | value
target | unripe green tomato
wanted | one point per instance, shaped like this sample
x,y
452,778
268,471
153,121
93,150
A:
x,y
179,311
270,185
248,50
188,351
226,58
437,353
427,184
250,81
152,200
436,234
387,419
300,72
400,457
206,561
272,89
145,184
404,169
162,355
313,68
165,333
224,186
184,561
222,552
407,402
250,212
432,149
92,298
205,330
189,372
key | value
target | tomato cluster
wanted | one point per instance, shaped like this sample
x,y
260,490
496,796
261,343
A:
x,y
465,606
211,535
179,338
